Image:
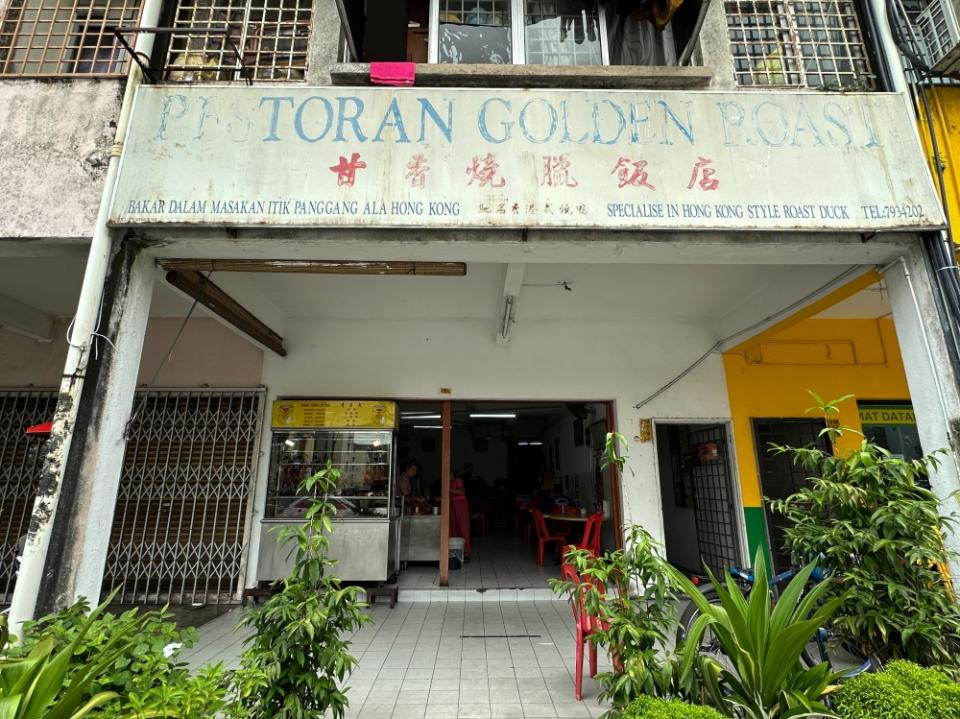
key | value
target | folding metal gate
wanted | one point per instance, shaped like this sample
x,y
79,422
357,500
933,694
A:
x,y
178,528
20,462
182,505
707,460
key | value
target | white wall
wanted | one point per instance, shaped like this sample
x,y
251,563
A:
x,y
572,359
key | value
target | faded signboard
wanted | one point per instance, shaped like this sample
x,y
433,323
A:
x,y
332,156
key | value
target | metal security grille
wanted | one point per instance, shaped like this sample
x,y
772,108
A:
x,y
705,455
64,37
816,44
272,36
20,462
178,530
779,475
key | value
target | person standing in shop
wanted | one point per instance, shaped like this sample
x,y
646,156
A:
x,y
405,480
459,512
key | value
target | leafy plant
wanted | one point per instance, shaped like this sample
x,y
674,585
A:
x,y
879,533
48,683
145,676
298,659
763,642
647,707
634,596
902,691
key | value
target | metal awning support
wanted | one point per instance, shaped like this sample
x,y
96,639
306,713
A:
x,y
144,62
351,20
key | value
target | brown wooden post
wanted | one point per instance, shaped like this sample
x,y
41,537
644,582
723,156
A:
x,y
616,489
445,422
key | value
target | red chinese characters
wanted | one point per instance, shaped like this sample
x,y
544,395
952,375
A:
x,y
346,170
417,171
707,180
556,172
483,171
631,173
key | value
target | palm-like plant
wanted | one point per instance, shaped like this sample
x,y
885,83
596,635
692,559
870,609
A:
x,y
38,687
763,641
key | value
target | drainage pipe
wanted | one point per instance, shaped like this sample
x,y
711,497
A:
x,y
81,340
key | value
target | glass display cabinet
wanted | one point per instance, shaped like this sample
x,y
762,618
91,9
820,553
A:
x,y
357,439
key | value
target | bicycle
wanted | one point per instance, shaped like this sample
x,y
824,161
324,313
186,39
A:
x,y
840,654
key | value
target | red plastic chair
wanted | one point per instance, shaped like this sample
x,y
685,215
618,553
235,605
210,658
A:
x,y
591,534
544,537
586,626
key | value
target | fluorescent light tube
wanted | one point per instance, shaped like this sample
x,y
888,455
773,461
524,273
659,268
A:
x,y
493,415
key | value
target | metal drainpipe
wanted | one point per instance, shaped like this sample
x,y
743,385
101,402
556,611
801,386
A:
x,y
81,339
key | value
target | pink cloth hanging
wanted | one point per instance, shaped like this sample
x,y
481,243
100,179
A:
x,y
401,74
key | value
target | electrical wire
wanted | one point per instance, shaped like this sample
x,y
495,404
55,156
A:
x,y
166,357
719,344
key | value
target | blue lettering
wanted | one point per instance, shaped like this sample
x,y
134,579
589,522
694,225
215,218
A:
x,y
872,140
621,126
392,118
640,124
298,119
805,124
204,102
669,114
732,116
353,120
834,114
275,115
165,113
778,117
552,126
566,126
507,127
427,109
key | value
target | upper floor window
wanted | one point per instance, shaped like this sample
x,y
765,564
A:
x,y
542,32
271,35
64,37
799,43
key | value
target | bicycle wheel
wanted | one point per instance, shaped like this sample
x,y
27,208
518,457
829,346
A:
x,y
841,654
708,644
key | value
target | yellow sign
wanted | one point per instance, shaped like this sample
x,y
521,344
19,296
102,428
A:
x,y
334,414
887,415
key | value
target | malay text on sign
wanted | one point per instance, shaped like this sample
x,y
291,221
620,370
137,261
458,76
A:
x,y
247,156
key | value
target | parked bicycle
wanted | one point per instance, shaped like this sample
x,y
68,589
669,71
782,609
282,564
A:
x,y
841,654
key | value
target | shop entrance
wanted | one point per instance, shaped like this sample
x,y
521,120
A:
x,y
699,502
505,460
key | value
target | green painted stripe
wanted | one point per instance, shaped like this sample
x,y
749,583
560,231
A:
x,y
756,524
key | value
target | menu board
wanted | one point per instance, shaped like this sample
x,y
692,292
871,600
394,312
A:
x,y
333,414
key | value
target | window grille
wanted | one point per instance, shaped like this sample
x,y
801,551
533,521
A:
x,y
817,44
563,33
64,37
272,36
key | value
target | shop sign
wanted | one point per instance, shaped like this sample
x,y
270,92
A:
x,y
419,157
874,415
333,414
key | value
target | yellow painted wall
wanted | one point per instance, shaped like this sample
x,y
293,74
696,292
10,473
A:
x,y
945,109
769,377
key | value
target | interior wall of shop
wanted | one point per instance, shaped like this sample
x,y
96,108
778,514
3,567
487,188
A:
x,y
771,377
207,353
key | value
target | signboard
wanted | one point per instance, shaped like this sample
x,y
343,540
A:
x,y
440,157
333,414
895,414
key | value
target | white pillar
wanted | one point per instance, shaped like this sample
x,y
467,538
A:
x,y
930,375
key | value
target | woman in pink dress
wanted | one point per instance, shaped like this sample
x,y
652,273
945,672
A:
x,y
459,512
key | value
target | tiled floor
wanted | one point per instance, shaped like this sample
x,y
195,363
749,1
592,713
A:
x,y
503,563
450,660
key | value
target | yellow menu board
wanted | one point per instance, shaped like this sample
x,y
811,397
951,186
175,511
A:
x,y
334,414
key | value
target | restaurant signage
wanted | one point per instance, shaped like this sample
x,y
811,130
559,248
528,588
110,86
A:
x,y
335,156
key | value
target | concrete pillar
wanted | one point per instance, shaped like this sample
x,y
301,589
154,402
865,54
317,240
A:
x,y
930,374
73,565
324,42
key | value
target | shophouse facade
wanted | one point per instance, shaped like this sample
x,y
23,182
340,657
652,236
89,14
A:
x,y
568,219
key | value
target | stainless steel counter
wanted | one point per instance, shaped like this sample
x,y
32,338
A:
x,y
365,549
420,538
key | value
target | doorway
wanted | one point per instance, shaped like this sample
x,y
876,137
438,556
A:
x,y
779,475
698,498
509,457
